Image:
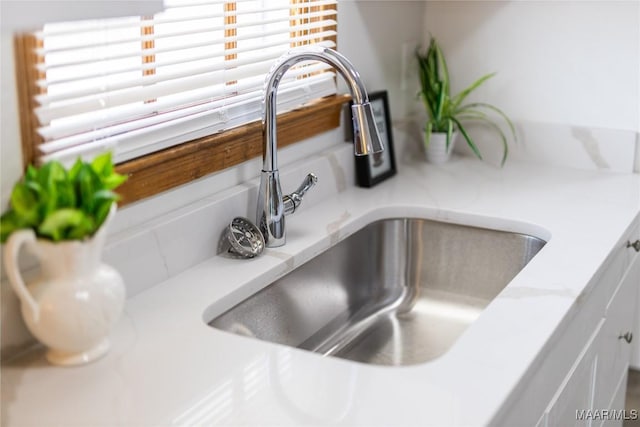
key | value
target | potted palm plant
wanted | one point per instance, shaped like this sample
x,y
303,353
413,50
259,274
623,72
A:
x,y
447,114
60,215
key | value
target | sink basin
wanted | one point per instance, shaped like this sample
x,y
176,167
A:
x,y
397,292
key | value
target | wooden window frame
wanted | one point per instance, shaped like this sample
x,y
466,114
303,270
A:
x,y
166,169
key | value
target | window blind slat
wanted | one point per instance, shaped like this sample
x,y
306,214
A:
x,y
167,131
216,107
107,117
176,4
111,85
190,58
80,42
88,57
109,100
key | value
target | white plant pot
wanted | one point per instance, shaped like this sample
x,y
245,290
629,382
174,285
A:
x,y
437,151
73,304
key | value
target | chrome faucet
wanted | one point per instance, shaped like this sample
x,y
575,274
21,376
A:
x,y
272,205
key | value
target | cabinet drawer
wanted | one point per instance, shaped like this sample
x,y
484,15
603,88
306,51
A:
x,y
615,351
633,236
618,263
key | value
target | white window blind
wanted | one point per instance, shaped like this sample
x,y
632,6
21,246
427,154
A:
x,y
138,85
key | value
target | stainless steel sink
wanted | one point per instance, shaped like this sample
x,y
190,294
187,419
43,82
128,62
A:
x,y
398,292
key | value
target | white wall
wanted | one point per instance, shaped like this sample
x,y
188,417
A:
x,y
571,62
10,151
380,37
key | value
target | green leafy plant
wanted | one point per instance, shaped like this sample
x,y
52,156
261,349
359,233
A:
x,y
447,113
60,204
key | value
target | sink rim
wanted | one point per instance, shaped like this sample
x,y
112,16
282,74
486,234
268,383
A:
x,y
352,225
510,227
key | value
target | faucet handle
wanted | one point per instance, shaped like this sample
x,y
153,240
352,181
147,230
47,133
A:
x,y
308,182
293,200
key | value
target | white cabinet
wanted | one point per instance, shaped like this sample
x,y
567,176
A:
x,y
576,391
592,393
617,403
620,327
581,378
635,351
596,383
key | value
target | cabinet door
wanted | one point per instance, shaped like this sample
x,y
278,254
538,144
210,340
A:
x,y
615,352
631,256
617,402
576,392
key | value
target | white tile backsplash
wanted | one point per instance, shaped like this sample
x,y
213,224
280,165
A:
x,y
578,146
193,237
555,144
139,260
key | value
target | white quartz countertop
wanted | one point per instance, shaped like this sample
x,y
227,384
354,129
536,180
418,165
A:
x,y
167,367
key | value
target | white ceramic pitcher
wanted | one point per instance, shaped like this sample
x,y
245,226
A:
x,y
76,299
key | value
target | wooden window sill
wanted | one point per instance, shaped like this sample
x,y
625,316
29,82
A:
x,y
174,166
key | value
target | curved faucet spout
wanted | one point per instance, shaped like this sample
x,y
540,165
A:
x,y
366,139
271,208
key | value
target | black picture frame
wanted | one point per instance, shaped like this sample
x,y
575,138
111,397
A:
x,y
375,168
